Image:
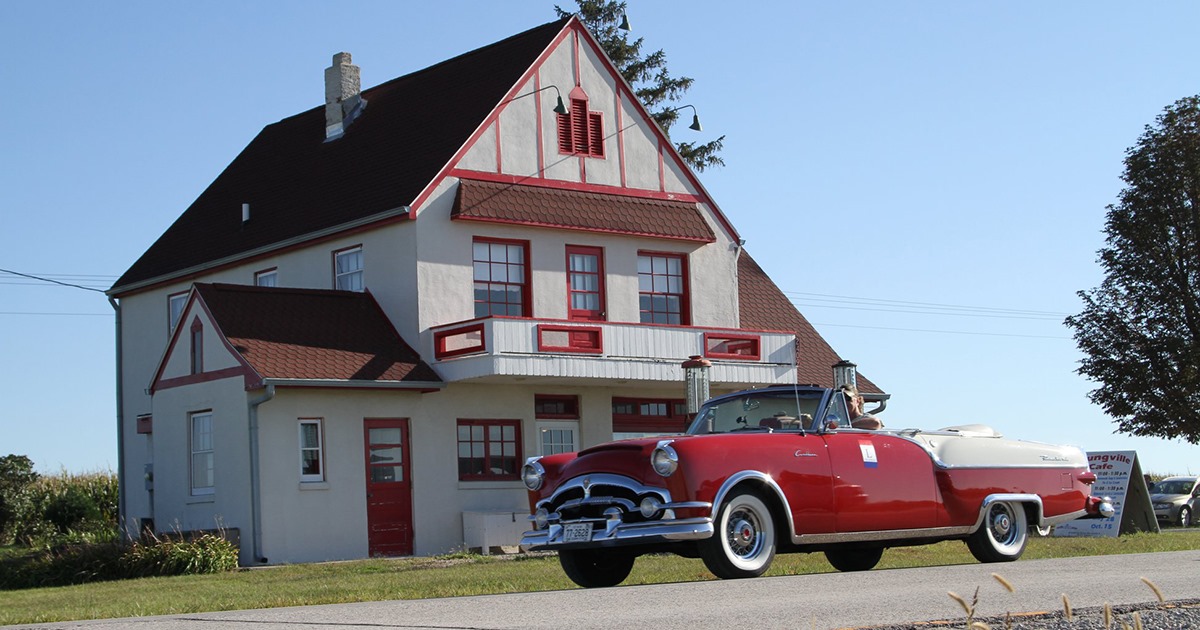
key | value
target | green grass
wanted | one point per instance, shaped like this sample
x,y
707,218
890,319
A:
x,y
451,576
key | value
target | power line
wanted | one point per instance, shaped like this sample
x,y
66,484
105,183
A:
x,y
912,312
52,281
63,314
927,306
946,332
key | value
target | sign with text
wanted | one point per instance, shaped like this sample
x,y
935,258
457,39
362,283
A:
x,y
1118,477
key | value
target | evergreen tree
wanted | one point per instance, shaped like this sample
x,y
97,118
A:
x,y
1140,329
646,73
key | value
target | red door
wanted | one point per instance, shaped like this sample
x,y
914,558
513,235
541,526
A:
x,y
880,482
585,283
389,487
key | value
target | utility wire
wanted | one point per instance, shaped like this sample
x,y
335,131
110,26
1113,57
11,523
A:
x,y
845,299
39,278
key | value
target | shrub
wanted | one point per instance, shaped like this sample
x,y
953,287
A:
x,y
73,507
207,553
16,480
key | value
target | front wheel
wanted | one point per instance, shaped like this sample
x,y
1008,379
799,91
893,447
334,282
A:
x,y
743,544
1185,516
592,568
846,560
1003,534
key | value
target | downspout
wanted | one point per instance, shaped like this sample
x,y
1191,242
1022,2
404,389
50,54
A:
x,y
121,490
255,496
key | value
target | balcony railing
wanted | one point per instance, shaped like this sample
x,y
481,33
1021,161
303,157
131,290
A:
x,y
497,348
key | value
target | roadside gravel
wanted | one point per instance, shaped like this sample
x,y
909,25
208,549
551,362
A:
x,y
1172,615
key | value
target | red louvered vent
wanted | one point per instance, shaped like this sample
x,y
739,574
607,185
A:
x,y
595,134
581,132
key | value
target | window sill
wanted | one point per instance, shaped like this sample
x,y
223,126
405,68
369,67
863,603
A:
x,y
490,485
201,498
314,485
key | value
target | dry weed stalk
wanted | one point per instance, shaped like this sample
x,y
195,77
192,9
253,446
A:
x,y
1067,608
1005,583
1154,587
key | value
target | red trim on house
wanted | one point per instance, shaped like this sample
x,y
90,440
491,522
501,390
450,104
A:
x,y
618,129
433,184
537,111
499,157
203,377
662,168
196,356
488,465
253,379
603,189
527,282
598,314
557,226
685,298
670,422
580,339
570,409
550,320
726,346
145,424
439,341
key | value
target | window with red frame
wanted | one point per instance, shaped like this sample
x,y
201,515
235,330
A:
x,y
662,288
556,407
501,277
649,415
581,132
489,450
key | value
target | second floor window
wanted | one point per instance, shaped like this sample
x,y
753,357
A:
x,y
348,269
501,272
175,304
662,289
267,278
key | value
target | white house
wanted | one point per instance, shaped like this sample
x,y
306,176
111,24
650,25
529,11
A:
x,y
350,342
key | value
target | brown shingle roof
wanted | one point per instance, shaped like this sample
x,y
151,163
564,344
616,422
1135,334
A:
x,y
313,334
577,210
298,184
763,306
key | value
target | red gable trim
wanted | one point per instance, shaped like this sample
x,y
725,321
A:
x,y
245,370
558,184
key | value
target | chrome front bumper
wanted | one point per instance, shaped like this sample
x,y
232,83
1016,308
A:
x,y
616,533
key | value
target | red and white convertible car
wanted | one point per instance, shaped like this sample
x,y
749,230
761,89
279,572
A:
x,y
780,469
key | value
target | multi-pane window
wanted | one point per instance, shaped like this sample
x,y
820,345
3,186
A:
x,y
662,288
175,304
311,460
501,272
581,132
637,417
489,449
561,436
557,437
585,283
201,445
348,269
267,278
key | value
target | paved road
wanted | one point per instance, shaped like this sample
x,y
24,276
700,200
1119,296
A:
x,y
836,600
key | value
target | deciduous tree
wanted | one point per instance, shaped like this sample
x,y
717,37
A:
x,y
646,73
1140,329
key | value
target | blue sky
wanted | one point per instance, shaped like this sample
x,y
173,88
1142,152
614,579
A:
x,y
927,181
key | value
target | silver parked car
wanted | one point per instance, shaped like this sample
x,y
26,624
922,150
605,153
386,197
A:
x,y
1175,500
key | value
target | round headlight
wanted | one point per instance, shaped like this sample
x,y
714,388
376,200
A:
x,y
532,474
664,459
650,506
540,518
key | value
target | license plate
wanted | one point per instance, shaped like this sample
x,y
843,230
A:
x,y
577,532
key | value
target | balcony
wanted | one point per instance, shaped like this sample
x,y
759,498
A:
x,y
501,349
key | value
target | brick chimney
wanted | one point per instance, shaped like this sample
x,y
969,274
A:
x,y
343,102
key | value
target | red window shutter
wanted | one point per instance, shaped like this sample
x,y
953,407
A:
x,y
579,130
564,134
595,134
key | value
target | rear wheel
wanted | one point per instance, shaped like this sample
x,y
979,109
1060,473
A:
x,y
743,544
1185,516
1003,534
591,568
846,560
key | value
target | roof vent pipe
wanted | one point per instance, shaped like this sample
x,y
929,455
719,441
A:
x,y
245,213
342,99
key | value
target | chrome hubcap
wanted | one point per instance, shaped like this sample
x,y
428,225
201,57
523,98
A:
x,y
743,534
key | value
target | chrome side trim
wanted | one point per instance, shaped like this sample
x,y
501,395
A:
x,y
755,475
1039,520
881,535
1056,520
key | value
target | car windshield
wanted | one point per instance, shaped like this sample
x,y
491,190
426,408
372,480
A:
x,y
1174,486
759,411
